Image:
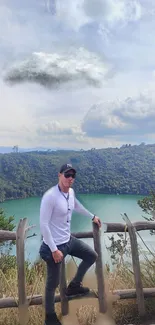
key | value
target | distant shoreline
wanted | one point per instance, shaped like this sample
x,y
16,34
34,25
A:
x,y
114,194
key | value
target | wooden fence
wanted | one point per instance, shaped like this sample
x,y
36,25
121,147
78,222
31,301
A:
x,y
139,292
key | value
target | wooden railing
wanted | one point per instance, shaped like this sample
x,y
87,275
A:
x,y
139,292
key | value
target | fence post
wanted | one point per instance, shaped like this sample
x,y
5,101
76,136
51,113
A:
x,y
63,286
136,266
99,270
22,299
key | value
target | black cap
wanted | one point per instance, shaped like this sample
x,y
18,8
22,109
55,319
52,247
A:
x,y
65,168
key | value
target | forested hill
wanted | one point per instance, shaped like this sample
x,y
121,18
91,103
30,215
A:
x,y
130,169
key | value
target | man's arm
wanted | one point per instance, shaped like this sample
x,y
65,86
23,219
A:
x,y
46,209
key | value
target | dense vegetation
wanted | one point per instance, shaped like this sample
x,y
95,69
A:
x,y
129,169
6,223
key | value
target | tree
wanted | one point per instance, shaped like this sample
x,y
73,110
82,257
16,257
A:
x,y
128,170
119,248
147,204
6,224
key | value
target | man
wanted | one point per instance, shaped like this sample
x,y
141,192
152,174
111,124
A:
x,y
56,209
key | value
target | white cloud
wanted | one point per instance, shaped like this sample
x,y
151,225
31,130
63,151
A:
x,y
133,116
65,133
57,129
113,11
78,13
15,34
54,69
13,112
71,13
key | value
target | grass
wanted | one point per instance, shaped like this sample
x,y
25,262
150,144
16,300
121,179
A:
x,y
85,311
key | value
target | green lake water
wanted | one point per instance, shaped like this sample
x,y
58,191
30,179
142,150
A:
x,y
108,207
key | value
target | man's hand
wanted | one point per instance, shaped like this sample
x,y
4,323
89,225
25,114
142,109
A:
x,y
58,256
97,221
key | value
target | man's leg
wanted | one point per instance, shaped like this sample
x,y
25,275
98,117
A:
x,y
52,282
83,251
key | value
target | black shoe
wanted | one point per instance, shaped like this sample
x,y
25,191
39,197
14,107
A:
x,y
52,319
76,289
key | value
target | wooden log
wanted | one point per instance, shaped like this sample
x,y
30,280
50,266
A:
x,y
11,235
23,304
138,225
37,300
63,286
119,227
99,270
9,302
111,227
88,234
136,267
7,235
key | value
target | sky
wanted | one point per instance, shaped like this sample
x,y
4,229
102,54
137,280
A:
x,y
77,74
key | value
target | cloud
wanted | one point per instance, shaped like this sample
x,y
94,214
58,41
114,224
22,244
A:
x,y
59,46
55,128
17,34
78,13
71,13
130,117
57,132
112,11
55,69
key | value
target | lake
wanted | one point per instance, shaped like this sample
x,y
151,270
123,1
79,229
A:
x,y
108,207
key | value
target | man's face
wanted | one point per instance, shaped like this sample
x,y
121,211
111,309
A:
x,y
67,178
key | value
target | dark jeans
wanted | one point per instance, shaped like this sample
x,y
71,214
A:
x,y
75,247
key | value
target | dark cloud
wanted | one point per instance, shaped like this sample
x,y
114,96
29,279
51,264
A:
x,y
54,69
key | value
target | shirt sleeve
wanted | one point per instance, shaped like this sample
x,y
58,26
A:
x,y
78,207
46,208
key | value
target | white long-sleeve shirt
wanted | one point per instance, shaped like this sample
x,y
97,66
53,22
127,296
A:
x,y
55,216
